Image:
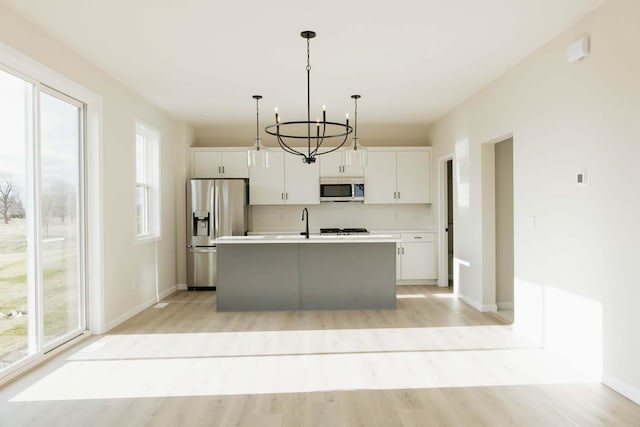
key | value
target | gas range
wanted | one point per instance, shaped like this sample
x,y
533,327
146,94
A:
x,y
343,231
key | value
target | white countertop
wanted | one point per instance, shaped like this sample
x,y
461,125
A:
x,y
316,231
314,238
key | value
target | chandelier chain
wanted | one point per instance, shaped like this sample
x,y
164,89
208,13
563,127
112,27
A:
x,y
308,56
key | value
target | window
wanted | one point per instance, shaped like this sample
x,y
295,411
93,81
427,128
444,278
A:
x,y
147,183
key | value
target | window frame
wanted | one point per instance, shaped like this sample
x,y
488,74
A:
x,y
149,183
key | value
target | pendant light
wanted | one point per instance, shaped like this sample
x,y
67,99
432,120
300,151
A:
x,y
258,156
356,155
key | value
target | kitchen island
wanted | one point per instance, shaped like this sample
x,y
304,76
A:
x,y
290,272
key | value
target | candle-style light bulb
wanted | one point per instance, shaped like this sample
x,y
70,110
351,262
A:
x,y
324,108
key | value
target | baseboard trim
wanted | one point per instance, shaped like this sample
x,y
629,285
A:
x,y
480,307
625,389
135,310
416,282
505,305
172,290
182,287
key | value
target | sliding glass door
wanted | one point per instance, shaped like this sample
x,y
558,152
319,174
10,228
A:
x,y
42,286
15,218
60,228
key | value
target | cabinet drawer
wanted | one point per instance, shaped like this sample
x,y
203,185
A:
x,y
417,237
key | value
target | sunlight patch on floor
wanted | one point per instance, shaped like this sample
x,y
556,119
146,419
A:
x,y
411,296
255,362
326,341
114,379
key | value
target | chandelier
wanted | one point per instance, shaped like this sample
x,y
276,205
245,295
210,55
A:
x,y
286,132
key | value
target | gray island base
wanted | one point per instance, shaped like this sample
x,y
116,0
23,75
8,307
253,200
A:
x,y
313,274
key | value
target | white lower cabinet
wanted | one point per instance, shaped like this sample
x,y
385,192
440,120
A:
x,y
416,257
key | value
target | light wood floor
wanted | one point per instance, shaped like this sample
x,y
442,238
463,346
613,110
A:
x,y
433,361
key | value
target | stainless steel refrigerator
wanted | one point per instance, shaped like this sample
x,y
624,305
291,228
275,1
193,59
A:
x,y
215,208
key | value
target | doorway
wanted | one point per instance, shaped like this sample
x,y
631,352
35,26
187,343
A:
x,y
449,229
504,228
446,198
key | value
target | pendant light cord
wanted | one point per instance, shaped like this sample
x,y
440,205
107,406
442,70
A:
x,y
257,98
309,98
355,127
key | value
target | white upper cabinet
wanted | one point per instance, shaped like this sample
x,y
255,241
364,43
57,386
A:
x,y
392,175
301,181
332,165
398,176
213,163
412,175
205,164
235,164
286,181
266,185
380,177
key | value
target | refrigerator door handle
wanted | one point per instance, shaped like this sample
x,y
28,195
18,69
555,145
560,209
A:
x,y
216,212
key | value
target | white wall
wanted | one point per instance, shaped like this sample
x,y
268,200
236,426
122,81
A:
x,y
129,269
369,134
576,275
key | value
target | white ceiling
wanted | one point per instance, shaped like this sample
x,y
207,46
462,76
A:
x,y
411,60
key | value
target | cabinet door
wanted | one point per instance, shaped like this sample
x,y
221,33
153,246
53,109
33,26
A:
x,y
206,164
331,164
235,164
418,261
414,185
266,185
352,171
380,177
302,181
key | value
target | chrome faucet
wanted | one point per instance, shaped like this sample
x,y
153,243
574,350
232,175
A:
x,y
305,233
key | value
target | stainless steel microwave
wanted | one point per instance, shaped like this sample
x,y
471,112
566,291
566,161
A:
x,y
342,189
